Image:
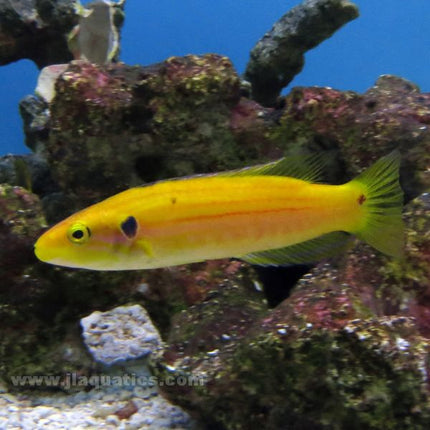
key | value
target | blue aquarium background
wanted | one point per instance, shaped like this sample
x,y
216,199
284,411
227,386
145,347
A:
x,y
389,37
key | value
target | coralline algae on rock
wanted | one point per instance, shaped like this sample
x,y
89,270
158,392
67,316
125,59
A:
x,y
319,360
124,333
118,126
362,127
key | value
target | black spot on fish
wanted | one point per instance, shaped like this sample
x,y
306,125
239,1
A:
x,y
361,199
129,227
173,200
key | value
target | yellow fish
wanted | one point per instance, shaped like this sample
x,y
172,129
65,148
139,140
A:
x,y
271,215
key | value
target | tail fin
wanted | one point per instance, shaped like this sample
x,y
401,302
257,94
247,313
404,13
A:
x,y
382,203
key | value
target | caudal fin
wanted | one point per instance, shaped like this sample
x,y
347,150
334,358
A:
x,y
382,204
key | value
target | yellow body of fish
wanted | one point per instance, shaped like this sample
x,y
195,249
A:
x,y
255,214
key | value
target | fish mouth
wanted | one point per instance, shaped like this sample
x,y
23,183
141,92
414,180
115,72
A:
x,y
46,255
37,251
44,250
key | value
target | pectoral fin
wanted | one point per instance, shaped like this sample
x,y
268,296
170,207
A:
x,y
146,246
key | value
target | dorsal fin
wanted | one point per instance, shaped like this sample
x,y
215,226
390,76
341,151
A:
x,y
310,251
309,167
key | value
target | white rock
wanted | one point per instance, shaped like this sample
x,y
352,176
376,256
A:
x,y
46,81
120,334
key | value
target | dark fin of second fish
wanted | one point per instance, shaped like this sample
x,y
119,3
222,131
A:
x,y
309,167
310,251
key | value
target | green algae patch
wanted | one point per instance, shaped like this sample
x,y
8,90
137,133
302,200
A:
x,y
357,377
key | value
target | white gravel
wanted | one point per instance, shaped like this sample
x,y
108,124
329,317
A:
x,y
97,409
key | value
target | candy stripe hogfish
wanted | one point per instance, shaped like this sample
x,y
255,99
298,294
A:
x,y
271,215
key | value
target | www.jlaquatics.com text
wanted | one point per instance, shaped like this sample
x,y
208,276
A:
x,y
70,380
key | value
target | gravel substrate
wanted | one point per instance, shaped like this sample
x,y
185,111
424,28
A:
x,y
140,408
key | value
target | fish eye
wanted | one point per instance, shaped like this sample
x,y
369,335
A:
x,y
79,233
